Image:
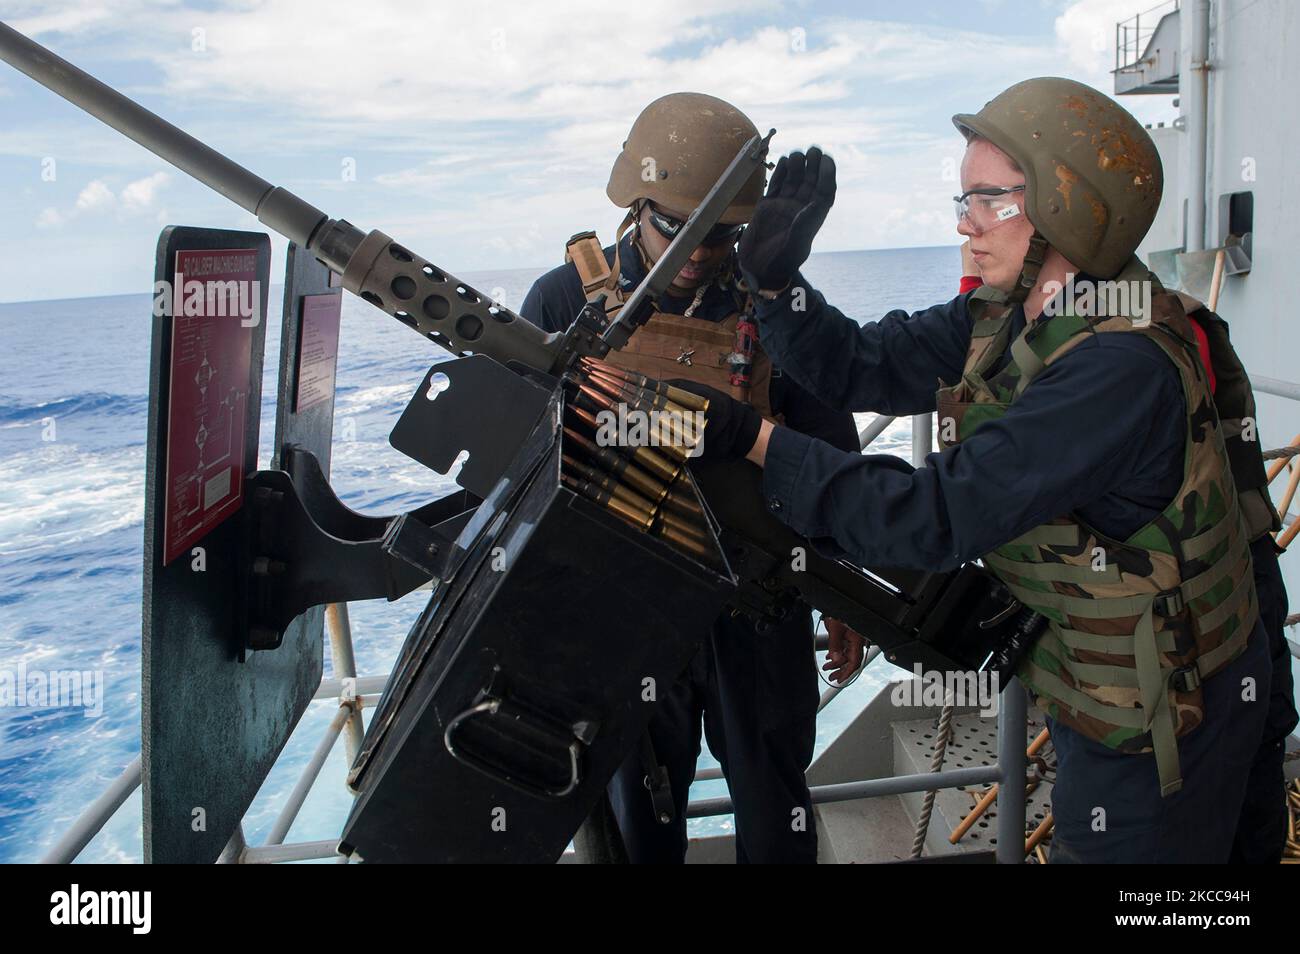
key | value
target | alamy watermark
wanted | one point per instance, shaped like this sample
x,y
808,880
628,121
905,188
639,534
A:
x,y
192,298
25,688
1089,298
75,906
932,688
629,427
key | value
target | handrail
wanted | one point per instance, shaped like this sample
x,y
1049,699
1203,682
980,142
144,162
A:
x,y
869,788
1131,38
92,821
1275,386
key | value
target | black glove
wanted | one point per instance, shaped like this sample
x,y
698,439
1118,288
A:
x,y
732,426
786,219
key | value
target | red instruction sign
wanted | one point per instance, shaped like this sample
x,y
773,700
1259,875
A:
x,y
216,303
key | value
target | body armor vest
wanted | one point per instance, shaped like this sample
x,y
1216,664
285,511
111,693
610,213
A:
x,y
1134,625
722,354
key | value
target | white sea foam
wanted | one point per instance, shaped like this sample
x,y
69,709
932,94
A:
x,y
57,496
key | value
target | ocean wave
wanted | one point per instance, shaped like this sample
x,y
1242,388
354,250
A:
x,y
95,402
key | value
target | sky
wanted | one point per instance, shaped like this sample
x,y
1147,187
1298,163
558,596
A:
x,y
481,134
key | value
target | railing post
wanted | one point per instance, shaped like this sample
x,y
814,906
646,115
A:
x,y
1012,763
922,439
873,430
344,665
280,830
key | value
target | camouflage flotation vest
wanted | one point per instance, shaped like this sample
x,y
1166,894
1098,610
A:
x,y
1134,626
722,354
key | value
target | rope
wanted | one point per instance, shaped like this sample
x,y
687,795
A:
x,y
936,763
1281,452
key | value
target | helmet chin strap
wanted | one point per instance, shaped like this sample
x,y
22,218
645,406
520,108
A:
x,y
1028,277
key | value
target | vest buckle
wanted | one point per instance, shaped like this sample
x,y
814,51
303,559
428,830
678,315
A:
x,y
1186,678
1169,603
685,357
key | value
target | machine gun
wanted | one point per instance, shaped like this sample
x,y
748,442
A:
x,y
508,690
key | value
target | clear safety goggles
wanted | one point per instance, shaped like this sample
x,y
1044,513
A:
x,y
989,207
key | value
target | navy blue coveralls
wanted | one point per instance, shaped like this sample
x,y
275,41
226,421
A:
x,y
1098,434
755,693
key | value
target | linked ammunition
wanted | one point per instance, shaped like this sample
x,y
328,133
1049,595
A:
x,y
676,448
647,458
608,482
666,518
681,499
641,398
681,396
620,467
640,485
685,542
606,500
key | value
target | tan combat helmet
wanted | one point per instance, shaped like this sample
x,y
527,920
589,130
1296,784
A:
x,y
678,147
1092,174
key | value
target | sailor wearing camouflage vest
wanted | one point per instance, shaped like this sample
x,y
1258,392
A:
x,y
1085,460
1135,625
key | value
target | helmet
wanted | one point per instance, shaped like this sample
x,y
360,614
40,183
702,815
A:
x,y
678,147
1092,174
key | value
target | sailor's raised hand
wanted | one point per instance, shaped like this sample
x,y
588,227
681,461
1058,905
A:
x,y
779,238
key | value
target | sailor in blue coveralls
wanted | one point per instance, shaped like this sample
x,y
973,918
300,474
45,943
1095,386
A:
x,y
755,693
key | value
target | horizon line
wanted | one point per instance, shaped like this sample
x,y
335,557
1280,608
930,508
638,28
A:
x,y
467,274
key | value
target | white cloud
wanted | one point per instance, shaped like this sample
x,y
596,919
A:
x,y
95,197
50,218
139,195
67,19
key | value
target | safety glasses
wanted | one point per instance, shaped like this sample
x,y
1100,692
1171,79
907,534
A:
x,y
987,208
668,227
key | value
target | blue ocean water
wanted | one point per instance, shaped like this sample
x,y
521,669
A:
x,y
73,406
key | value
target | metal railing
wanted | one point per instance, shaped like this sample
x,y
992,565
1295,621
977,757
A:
x,y
1132,36
355,693
1291,391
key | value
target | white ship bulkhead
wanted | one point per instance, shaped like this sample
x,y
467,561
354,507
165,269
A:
x,y
1251,141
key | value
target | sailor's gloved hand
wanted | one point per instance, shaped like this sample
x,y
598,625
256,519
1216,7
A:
x,y
732,426
786,220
